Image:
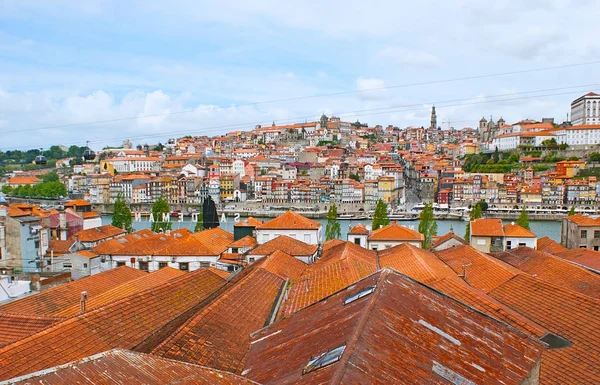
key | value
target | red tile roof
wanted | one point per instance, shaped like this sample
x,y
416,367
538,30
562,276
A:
x,y
359,229
15,327
134,286
445,238
380,332
290,220
125,323
286,244
78,203
589,259
283,265
395,232
117,366
207,242
52,301
218,336
244,242
550,246
414,262
341,266
99,233
481,271
487,228
583,220
571,315
553,269
516,231
60,247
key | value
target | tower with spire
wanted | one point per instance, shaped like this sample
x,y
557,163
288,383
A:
x,y
433,125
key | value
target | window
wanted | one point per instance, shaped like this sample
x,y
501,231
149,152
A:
x,y
583,234
67,266
481,242
204,264
583,247
508,245
359,295
596,234
85,265
596,248
307,238
120,263
251,259
162,264
324,359
185,266
522,244
357,241
143,266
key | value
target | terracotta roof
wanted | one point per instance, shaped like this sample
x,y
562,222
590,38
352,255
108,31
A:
x,y
341,266
550,246
86,254
210,242
115,245
286,244
514,230
331,244
487,228
54,300
290,220
249,222
22,180
379,332
445,238
425,267
60,247
15,327
134,286
117,366
395,232
553,269
90,214
221,273
124,323
359,229
78,203
244,242
589,259
99,233
414,262
283,265
481,271
568,314
583,220
219,335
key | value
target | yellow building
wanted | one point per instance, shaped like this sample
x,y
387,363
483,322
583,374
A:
x,y
385,188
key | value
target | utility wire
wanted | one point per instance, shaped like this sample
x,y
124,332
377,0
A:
x,y
308,97
369,112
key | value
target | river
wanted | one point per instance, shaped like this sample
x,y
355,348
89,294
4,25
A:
x,y
540,228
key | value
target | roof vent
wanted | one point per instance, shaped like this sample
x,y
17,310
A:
x,y
82,302
555,341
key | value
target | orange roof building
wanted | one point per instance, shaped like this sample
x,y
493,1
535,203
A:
x,y
487,235
293,225
393,235
303,251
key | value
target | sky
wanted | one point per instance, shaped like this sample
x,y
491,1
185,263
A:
x,y
105,71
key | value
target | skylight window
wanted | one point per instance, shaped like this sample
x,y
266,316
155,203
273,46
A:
x,y
324,359
359,295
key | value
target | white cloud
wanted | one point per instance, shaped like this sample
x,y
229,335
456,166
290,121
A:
x,y
371,88
398,55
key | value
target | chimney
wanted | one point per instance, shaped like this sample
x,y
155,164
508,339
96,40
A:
x,y
82,302
307,286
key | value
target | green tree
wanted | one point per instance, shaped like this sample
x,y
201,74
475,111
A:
x,y
160,208
380,217
513,158
523,220
496,156
571,211
333,229
595,157
573,158
355,177
200,223
475,214
122,215
427,225
50,177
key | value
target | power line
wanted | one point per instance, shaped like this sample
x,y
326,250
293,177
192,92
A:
x,y
474,77
379,111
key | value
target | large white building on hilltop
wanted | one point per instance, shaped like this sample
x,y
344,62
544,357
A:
x,y
586,110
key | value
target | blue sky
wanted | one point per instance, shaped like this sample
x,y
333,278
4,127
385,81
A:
x,y
69,62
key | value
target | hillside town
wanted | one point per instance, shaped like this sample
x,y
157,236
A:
x,y
99,286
